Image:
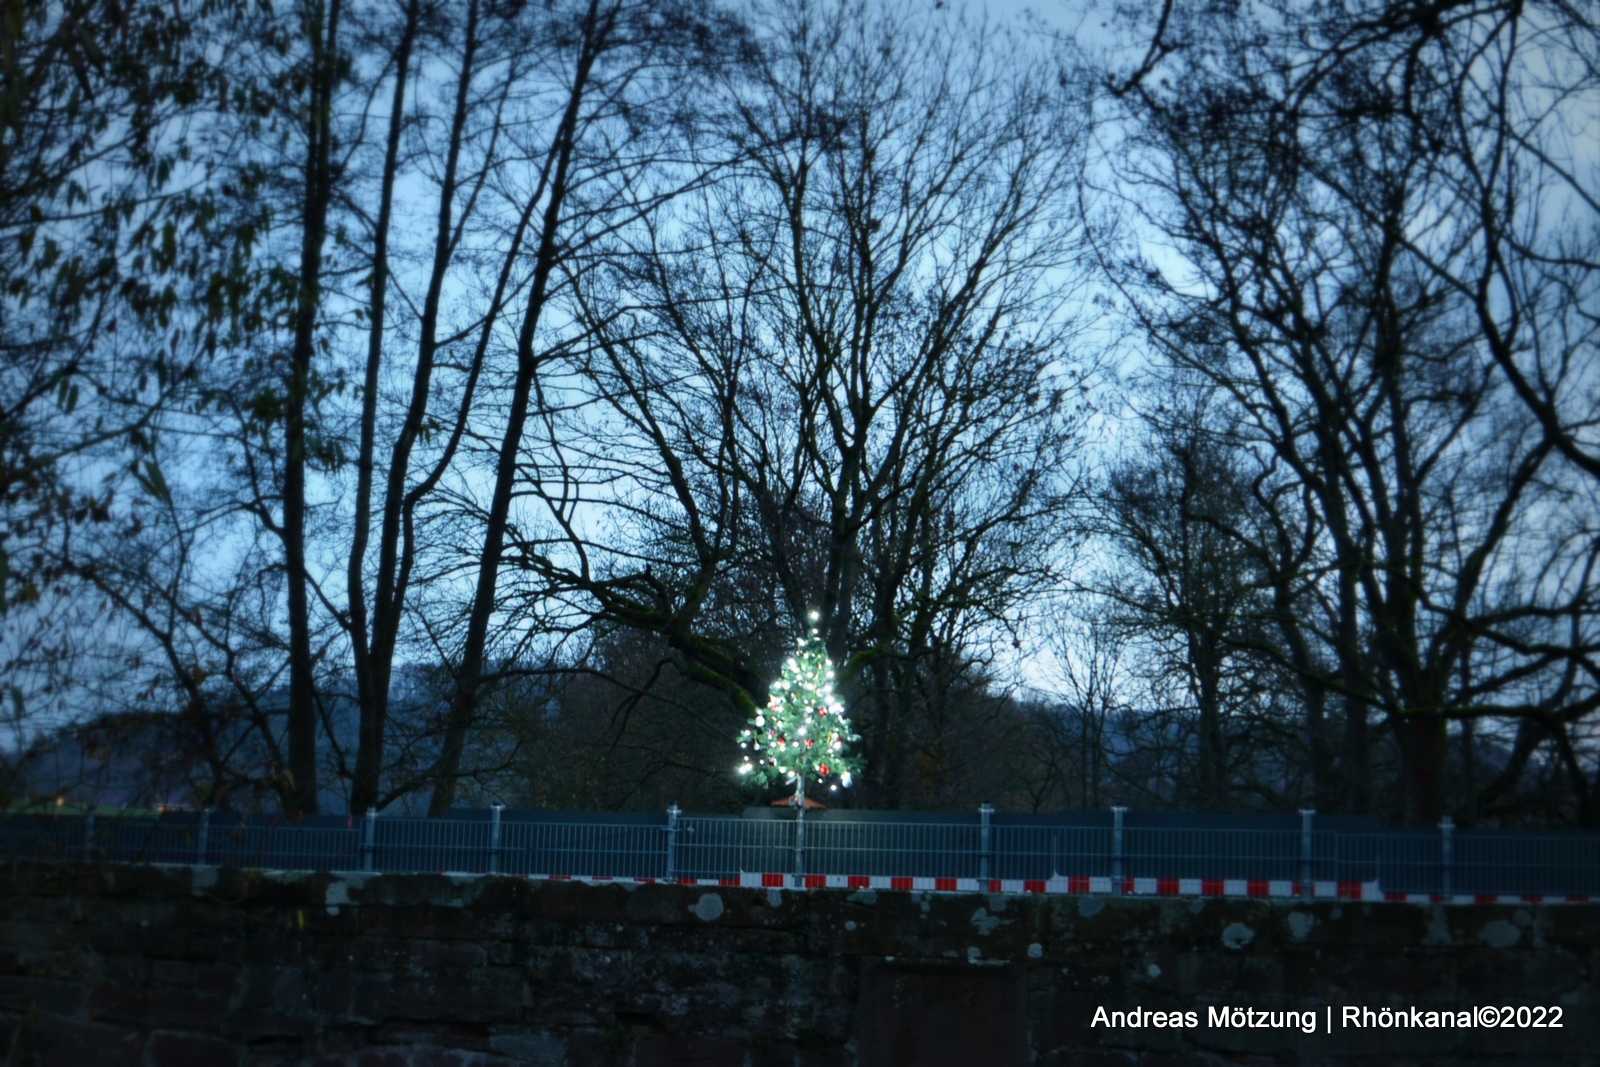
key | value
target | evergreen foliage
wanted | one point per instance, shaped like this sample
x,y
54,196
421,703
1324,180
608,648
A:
x,y
802,734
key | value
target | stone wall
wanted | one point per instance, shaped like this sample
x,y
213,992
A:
x,y
173,966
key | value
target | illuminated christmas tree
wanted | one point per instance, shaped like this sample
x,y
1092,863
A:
x,y
802,735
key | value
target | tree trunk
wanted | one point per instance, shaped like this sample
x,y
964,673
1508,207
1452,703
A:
x,y
469,676
1354,762
1423,743
374,661
300,794
1213,747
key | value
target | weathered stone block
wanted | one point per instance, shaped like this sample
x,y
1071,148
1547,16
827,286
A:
x,y
29,996
354,994
531,1049
189,1050
428,922
64,1043
276,1053
939,1014
384,1057
255,1024
497,995
657,1050
263,988
612,1047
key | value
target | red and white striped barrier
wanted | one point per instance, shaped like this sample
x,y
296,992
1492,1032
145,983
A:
x,y
1137,887
1166,887
606,879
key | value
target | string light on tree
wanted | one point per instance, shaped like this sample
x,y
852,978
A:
x,y
802,735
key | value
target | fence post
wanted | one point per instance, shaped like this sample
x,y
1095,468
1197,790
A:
x,y
88,834
1307,889
1116,849
1447,828
984,813
369,832
800,846
202,841
672,843
494,837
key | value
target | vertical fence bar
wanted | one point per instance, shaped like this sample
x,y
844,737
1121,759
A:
x,y
369,836
88,834
672,843
1447,829
494,837
800,846
1307,890
1116,849
202,838
984,813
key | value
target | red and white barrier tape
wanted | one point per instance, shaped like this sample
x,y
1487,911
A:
x,y
1138,887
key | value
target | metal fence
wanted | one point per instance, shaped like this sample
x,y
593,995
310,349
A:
x,y
1114,851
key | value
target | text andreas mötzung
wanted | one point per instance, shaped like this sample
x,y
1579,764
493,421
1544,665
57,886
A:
x,y
1329,1018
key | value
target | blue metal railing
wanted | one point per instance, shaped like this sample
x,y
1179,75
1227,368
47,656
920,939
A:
x,y
1120,848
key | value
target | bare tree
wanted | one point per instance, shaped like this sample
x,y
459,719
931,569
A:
x,y
1070,750
626,68
842,378
1299,186
1179,512
455,152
